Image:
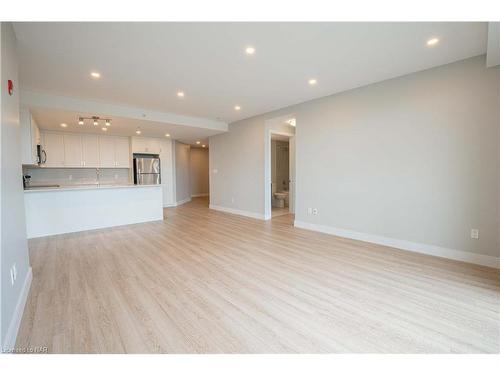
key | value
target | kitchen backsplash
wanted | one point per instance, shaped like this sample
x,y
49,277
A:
x,y
77,176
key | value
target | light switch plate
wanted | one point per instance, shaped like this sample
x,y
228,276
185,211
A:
x,y
474,234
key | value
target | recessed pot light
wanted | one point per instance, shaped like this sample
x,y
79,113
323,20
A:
x,y
250,50
167,135
104,129
432,41
63,125
138,131
237,107
203,146
180,94
198,142
95,74
313,81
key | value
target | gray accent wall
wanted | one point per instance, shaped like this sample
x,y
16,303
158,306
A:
x,y
182,184
198,169
237,166
415,158
14,245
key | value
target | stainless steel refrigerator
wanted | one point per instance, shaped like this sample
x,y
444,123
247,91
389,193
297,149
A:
x,y
146,169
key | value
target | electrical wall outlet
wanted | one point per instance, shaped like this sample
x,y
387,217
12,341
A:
x,y
474,234
309,211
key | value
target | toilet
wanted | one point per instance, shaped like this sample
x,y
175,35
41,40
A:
x,y
281,198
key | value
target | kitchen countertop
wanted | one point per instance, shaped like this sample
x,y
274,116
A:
x,y
36,189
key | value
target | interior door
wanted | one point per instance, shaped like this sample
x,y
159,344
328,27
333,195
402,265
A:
x,y
291,187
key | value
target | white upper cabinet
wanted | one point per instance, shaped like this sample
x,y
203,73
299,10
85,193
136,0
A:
x,y
107,152
141,145
30,138
122,152
72,151
53,144
90,151
114,152
153,145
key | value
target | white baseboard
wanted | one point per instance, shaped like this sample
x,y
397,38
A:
x,y
10,338
199,195
464,256
234,211
179,203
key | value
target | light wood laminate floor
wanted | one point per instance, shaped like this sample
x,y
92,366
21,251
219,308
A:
x,y
279,211
204,281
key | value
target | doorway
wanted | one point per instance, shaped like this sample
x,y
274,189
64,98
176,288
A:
x,y
279,169
280,175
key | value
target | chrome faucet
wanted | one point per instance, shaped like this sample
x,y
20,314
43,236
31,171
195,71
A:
x,y
26,180
97,175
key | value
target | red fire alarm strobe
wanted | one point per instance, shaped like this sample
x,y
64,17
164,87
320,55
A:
x,y
10,86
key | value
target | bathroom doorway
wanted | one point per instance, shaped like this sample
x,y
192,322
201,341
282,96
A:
x,y
280,167
280,175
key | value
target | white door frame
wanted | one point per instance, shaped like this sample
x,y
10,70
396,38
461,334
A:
x,y
267,170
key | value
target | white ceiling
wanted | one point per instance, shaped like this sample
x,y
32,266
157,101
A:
x,y
145,64
51,119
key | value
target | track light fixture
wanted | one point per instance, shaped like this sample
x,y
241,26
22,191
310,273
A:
x,y
95,120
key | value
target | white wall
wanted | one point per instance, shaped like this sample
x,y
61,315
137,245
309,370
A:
x,y
14,246
182,184
199,171
414,158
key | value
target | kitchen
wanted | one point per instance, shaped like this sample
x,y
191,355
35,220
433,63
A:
x,y
77,178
